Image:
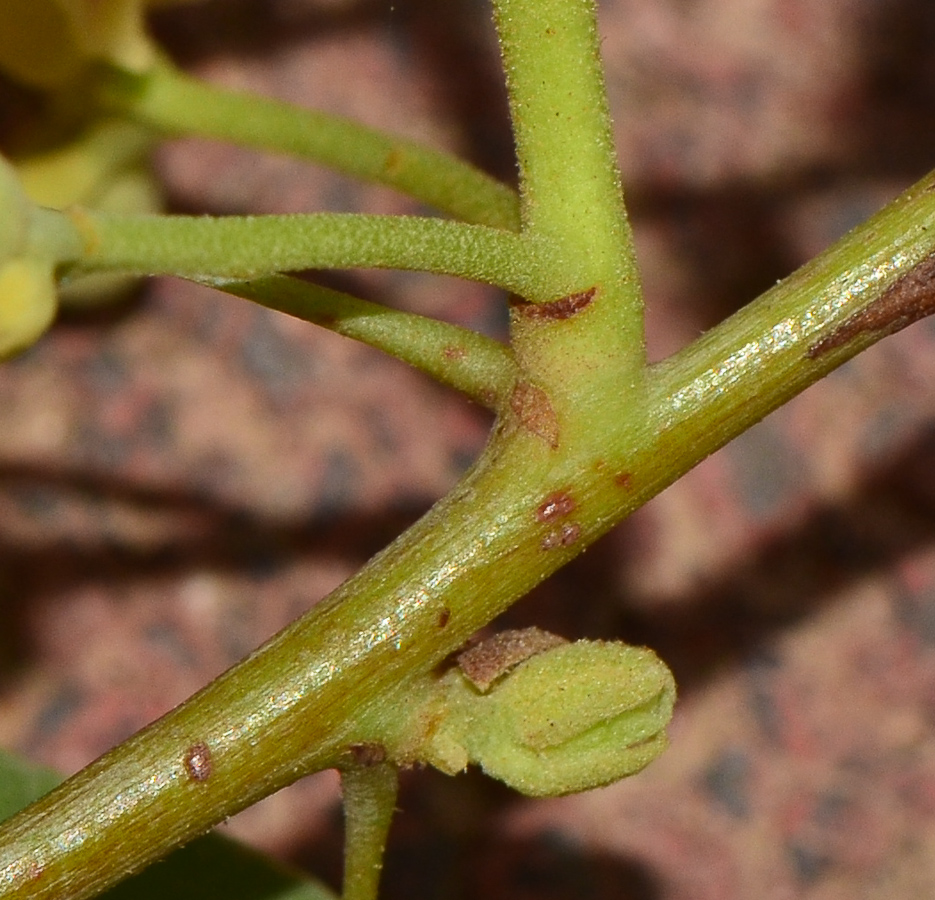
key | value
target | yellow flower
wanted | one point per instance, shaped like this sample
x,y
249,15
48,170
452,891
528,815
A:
x,y
46,43
91,161
27,283
27,303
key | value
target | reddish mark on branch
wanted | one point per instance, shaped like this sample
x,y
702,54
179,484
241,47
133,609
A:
x,y
452,351
368,754
624,480
561,537
908,299
532,408
556,506
198,763
444,617
484,664
393,161
563,308
34,870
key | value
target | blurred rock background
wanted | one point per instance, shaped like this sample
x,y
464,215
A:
x,y
182,476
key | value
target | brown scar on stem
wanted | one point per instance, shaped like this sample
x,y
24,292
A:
x,y
563,537
623,479
444,617
198,764
484,664
908,299
563,308
453,352
556,506
532,408
393,161
368,754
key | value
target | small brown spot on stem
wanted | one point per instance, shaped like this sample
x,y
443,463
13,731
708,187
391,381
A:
x,y
484,664
563,308
368,753
393,162
556,506
198,762
444,617
624,479
908,299
561,537
453,352
532,407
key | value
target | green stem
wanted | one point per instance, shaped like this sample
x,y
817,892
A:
x,y
569,181
176,104
584,424
244,247
369,803
873,282
294,705
474,364
582,344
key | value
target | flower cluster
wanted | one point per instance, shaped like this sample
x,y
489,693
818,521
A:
x,y
27,284
58,47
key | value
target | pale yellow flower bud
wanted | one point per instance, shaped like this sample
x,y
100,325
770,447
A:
x,y
27,303
46,43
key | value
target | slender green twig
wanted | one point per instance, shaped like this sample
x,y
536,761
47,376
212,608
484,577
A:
x,y
369,789
176,104
569,181
474,364
244,247
585,346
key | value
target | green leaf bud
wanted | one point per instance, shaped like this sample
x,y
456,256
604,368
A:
x,y
572,718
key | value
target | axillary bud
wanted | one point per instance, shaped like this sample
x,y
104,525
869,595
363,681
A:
x,y
574,717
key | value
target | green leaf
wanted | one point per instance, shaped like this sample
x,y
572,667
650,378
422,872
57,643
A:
x,y
21,783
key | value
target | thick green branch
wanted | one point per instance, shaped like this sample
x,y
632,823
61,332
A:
x,y
294,705
877,279
586,438
474,364
176,104
244,247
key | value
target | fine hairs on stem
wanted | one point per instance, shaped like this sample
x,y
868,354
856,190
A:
x,y
374,678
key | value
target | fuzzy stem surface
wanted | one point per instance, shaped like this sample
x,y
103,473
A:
x,y
245,247
175,104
